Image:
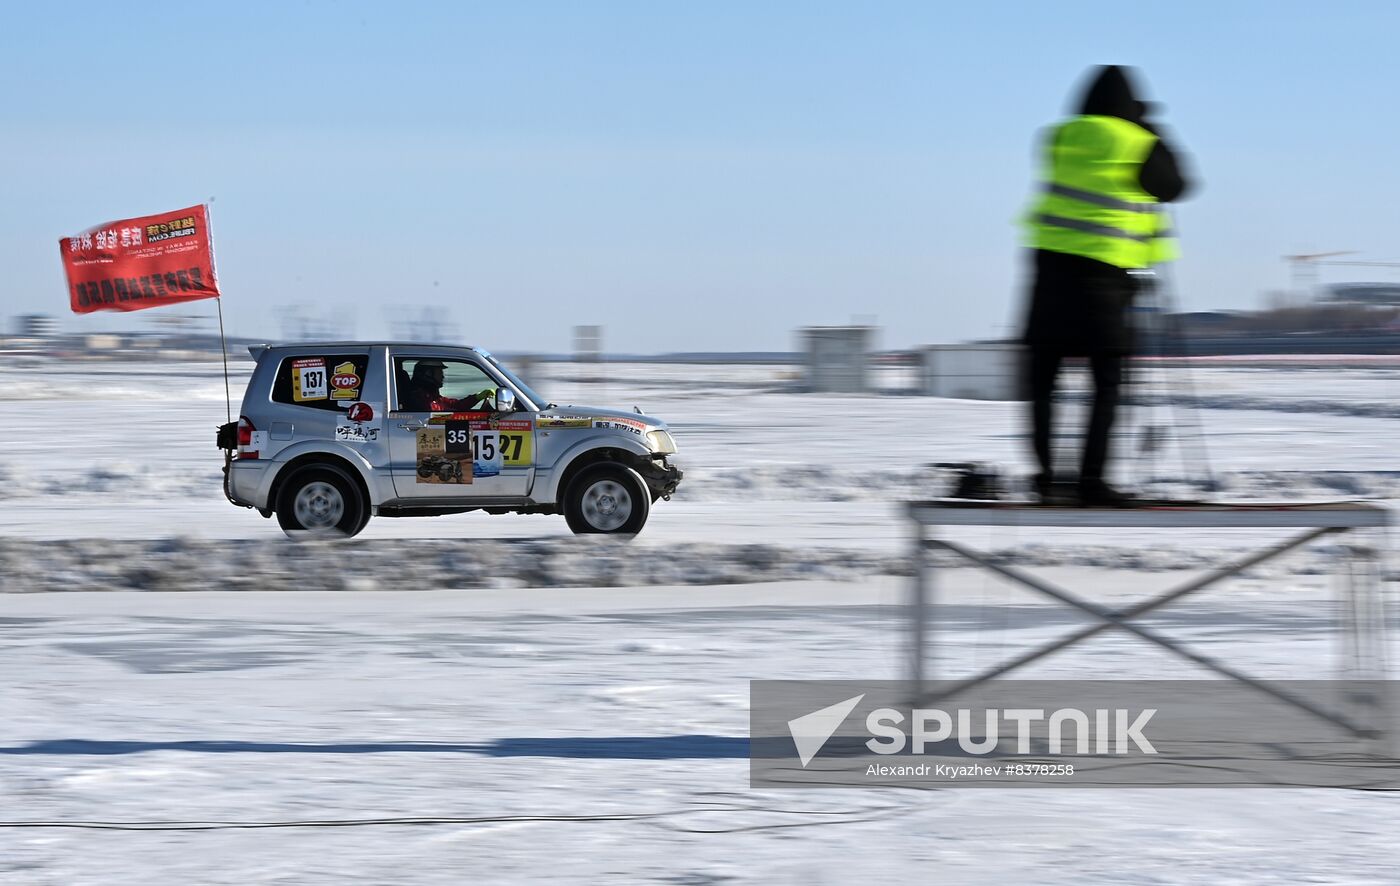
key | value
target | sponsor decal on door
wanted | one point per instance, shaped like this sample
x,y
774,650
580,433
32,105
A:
x,y
442,458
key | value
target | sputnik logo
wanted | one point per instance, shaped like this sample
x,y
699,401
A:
x,y
810,732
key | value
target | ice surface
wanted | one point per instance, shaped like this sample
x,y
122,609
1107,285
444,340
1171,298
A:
x,y
289,706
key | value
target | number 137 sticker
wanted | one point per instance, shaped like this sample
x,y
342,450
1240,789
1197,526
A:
x,y
308,379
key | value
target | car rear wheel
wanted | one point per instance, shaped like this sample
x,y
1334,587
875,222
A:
x,y
607,499
321,502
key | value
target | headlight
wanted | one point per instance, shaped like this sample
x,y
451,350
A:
x,y
660,441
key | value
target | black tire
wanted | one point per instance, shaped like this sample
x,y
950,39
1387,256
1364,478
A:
x,y
364,518
319,502
607,499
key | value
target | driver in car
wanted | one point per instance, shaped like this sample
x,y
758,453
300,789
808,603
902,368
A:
x,y
424,393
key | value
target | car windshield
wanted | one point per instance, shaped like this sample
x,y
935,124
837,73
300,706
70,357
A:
x,y
535,397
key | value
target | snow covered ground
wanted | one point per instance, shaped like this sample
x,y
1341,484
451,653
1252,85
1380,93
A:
x,y
522,714
598,734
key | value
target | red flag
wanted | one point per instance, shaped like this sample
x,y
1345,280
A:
x,y
140,263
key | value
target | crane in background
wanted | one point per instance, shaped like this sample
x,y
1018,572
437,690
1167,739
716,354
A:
x,y
1305,269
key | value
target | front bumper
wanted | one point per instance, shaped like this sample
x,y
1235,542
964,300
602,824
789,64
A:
x,y
662,474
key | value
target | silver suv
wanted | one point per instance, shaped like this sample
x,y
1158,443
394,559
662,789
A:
x,y
331,433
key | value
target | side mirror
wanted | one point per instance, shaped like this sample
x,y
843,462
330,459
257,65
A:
x,y
505,399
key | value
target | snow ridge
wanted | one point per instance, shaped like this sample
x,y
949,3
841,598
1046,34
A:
x,y
185,564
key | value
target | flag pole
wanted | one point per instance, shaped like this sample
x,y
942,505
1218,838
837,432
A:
x,y
219,300
223,352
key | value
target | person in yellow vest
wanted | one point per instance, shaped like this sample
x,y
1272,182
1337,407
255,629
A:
x,y
1098,217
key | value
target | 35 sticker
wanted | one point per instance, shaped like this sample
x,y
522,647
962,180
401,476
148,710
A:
x,y
439,462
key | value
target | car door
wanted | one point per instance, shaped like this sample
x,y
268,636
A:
x,y
444,447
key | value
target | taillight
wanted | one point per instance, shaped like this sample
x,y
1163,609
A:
x,y
245,438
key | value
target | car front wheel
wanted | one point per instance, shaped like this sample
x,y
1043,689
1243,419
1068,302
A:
x,y
321,502
607,499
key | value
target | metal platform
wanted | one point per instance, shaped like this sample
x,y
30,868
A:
x,y
1363,609
1163,515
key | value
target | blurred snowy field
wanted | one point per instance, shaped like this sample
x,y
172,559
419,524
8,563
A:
x,y
133,446
598,734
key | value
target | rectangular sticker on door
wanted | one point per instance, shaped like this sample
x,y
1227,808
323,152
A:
x,y
439,462
505,443
357,425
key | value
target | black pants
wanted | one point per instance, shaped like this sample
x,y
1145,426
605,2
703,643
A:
x,y
1107,369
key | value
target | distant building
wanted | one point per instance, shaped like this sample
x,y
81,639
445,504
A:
x,y
588,344
1379,295
837,358
102,341
975,371
35,326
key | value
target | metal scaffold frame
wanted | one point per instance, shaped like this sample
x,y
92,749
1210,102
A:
x,y
1363,607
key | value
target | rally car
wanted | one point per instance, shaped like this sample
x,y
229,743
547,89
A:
x,y
332,433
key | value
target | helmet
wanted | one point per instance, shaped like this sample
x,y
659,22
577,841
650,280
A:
x,y
420,369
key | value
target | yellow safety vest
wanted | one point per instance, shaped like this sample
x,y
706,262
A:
x,y
1092,204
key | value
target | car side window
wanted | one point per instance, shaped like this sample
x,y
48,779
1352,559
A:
x,y
320,381
429,384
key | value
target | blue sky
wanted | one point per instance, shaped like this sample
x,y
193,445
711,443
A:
x,y
691,176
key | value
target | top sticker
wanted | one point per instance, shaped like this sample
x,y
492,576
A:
x,y
309,379
345,383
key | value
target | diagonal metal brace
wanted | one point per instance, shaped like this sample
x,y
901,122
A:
x,y
1120,619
